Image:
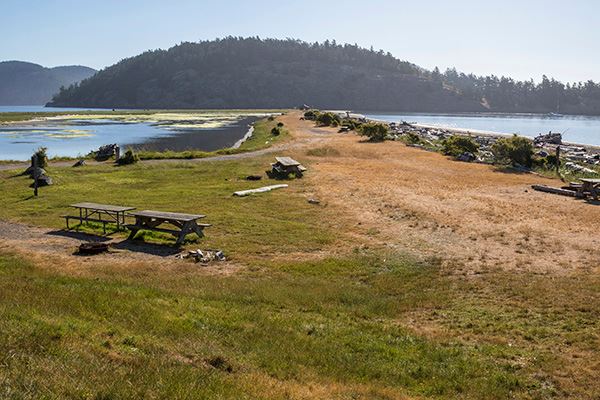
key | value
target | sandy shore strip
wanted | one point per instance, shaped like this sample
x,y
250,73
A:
x,y
477,132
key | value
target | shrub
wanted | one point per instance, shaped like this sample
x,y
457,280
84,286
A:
x,y
128,158
271,118
41,157
280,124
515,150
352,124
275,131
311,115
375,131
456,145
328,119
412,138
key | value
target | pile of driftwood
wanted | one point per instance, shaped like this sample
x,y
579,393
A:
x,y
203,256
550,138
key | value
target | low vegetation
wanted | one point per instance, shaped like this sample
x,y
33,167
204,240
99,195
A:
x,y
456,145
515,150
374,131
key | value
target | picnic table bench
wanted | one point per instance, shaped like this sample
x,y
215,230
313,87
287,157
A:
x,y
283,166
591,186
151,220
102,213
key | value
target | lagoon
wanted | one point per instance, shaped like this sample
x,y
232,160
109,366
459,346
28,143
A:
x,y
77,135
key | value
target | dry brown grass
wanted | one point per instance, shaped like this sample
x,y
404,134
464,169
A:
x,y
468,213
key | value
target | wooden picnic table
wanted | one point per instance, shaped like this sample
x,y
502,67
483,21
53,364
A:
x,y
283,166
151,220
591,186
93,212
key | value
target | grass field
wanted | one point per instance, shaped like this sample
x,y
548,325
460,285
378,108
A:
x,y
290,330
281,221
304,309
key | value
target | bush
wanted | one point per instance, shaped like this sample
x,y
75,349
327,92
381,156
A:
x,y
128,158
456,145
271,118
515,150
311,115
375,131
280,124
352,124
276,131
328,119
412,138
41,157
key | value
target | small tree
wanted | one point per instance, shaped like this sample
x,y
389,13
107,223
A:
x,y
41,157
375,131
515,150
456,145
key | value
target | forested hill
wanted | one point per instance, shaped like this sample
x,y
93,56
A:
x,y
254,73
23,83
504,94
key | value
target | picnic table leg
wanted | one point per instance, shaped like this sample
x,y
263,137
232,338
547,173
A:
x,y
185,230
199,231
134,231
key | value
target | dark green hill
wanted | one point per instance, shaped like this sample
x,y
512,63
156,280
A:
x,y
23,83
255,73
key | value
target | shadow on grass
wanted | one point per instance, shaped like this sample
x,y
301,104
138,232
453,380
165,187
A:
x,y
88,237
139,246
512,170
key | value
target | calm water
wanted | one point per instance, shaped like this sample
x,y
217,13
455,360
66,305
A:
x,y
576,129
75,138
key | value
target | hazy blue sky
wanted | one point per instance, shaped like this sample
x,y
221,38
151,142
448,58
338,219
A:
x,y
522,39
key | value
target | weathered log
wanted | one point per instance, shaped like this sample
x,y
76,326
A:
x,y
243,193
549,189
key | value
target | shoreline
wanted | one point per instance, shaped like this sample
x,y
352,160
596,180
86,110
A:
x,y
475,132
247,136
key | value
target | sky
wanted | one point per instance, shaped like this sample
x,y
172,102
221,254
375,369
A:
x,y
521,39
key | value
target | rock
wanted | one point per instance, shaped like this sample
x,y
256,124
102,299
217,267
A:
x,y
466,157
253,177
314,201
204,256
43,180
79,163
29,171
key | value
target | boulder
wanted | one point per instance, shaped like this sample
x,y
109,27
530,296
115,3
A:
x,y
30,171
43,180
466,157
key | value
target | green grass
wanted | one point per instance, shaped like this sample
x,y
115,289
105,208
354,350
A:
x,y
338,324
276,221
